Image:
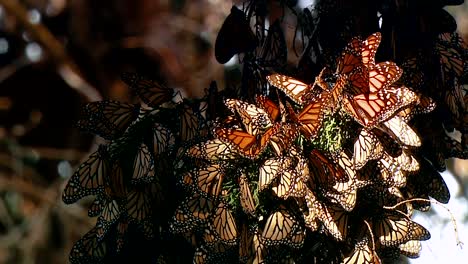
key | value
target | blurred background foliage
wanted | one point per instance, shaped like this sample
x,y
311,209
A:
x,y
56,55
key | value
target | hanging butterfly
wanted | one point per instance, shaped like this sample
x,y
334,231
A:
x,y
150,92
225,225
143,165
246,199
235,36
139,207
411,249
270,170
335,221
163,139
371,109
109,215
89,249
366,147
208,180
281,228
254,119
362,253
214,150
291,182
108,119
89,178
400,131
393,229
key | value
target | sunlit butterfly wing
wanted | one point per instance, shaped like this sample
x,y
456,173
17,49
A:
x,y
392,229
269,106
270,170
235,36
311,116
279,227
401,131
150,92
350,57
411,249
254,118
209,179
225,225
366,147
369,49
213,150
362,254
88,178
293,88
335,221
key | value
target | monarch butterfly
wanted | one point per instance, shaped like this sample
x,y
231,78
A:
x,y
116,185
246,199
89,177
109,215
122,228
150,92
425,105
286,184
362,254
400,131
454,99
235,36
393,229
370,80
413,75
143,165
280,227
139,206
163,139
298,91
335,221
253,118
372,108
214,150
89,249
391,172
198,207
245,244
270,170
323,171
366,147
411,249
225,225
269,107
311,216
190,121
209,179
108,119
344,193
249,145
428,182
451,59
96,207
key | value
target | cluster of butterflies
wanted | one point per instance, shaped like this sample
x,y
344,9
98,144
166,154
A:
x,y
264,182
294,172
